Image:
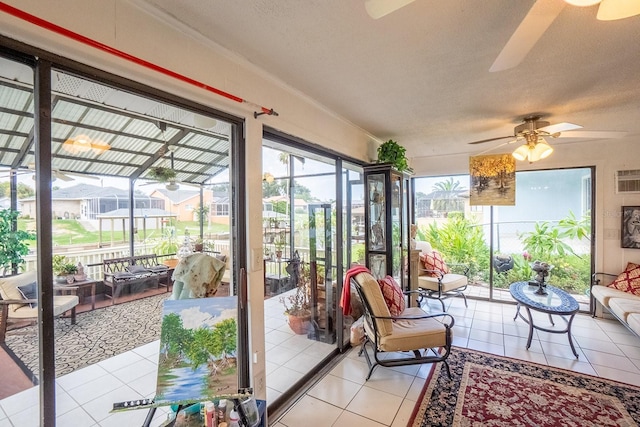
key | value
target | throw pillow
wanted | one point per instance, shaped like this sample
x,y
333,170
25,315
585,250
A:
x,y
435,264
30,291
628,280
392,295
137,269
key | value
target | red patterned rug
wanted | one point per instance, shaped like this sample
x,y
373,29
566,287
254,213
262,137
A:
x,y
489,390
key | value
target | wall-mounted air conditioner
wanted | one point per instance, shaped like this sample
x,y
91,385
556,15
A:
x,y
628,181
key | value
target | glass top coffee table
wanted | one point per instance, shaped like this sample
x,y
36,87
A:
x,y
555,302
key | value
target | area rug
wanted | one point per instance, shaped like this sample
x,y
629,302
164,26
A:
x,y
489,390
97,335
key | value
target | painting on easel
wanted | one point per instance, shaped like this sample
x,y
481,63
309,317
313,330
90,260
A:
x,y
198,344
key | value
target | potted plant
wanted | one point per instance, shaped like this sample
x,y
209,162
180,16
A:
x,y
168,246
162,174
297,306
279,242
12,242
63,269
394,153
198,245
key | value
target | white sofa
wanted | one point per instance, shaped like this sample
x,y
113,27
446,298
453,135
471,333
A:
x,y
624,306
14,306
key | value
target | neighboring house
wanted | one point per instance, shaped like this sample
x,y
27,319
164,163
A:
x,y
437,203
184,204
86,202
299,205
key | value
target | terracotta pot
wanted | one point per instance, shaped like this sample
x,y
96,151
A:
x,y
198,247
171,262
299,324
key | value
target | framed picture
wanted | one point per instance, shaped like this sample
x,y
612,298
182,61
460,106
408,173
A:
x,y
631,227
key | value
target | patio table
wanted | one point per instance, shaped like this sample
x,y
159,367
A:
x,y
74,287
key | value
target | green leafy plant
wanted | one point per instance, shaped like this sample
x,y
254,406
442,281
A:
x,y
162,174
298,303
168,244
394,153
12,241
61,266
545,242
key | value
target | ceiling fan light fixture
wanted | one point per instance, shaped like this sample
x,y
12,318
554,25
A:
x,y
611,10
521,153
582,3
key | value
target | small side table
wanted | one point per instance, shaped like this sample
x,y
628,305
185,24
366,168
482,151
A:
x,y
76,286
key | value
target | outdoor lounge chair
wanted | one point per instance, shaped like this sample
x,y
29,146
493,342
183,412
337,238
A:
x,y
407,338
440,282
15,307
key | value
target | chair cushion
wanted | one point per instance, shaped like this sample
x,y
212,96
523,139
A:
x,y
392,295
9,287
373,295
30,291
449,281
633,320
628,280
605,293
435,263
135,269
423,247
61,303
622,307
415,334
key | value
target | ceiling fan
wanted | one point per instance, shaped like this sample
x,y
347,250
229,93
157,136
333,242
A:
x,y
533,130
541,16
379,8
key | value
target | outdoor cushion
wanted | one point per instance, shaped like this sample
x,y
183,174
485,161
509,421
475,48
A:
x,y
408,335
61,303
137,269
373,295
393,295
158,268
30,291
424,247
123,275
449,281
9,287
435,263
604,294
628,280
633,320
622,307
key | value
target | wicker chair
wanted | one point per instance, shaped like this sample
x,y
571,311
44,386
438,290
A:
x,y
408,337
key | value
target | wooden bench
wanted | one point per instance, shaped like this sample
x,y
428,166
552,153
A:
x,y
137,273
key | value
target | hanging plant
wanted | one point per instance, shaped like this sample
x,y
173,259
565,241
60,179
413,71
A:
x,y
394,153
162,174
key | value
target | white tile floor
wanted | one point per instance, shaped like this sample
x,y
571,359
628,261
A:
x,y
342,397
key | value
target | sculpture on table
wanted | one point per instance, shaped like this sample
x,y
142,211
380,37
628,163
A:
x,y
542,271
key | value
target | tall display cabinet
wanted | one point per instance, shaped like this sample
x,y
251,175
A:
x,y
387,202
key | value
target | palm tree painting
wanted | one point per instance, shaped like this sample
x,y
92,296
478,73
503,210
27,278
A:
x,y
198,344
493,180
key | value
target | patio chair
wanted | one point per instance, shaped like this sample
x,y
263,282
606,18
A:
x,y
437,279
19,298
406,338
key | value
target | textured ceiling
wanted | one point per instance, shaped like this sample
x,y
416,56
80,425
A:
x,y
421,74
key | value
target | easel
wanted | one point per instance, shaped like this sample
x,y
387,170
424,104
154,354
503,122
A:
x,y
152,405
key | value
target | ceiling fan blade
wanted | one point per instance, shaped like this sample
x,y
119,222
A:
x,y
61,176
599,134
482,141
532,27
379,8
611,10
560,127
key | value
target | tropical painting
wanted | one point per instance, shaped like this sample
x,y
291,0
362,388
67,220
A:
x,y
493,180
198,344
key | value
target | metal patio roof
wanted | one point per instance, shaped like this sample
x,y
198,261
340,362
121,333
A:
x,y
129,123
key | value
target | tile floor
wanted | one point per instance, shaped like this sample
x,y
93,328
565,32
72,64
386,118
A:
x,y
342,397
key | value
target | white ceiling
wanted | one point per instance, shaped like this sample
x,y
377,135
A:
x,y
420,75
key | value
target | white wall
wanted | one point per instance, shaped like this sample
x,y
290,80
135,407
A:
x,y
126,26
608,156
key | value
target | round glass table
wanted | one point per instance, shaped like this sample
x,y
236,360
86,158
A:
x,y
554,302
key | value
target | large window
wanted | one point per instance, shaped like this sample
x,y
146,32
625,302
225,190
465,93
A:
x,y
550,222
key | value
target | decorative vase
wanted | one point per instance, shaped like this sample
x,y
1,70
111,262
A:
x,y
299,324
70,279
61,280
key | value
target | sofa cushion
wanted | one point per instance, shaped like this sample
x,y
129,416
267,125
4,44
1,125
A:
x,y
373,295
449,281
30,291
392,295
135,269
605,293
622,307
61,303
424,247
628,280
633,320
409,334
434,263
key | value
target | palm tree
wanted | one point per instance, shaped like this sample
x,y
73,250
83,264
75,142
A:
x,y
447,199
